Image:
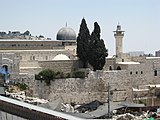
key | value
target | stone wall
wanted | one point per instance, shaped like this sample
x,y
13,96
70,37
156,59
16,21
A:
x,y
110,64
95,87
16,44
42,55
65,66
120,84
31,67
72,90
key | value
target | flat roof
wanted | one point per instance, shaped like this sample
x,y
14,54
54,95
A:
x,y
152,57
128,63
152,85
139,90
46,40
29,67
3,40
40,109
46,50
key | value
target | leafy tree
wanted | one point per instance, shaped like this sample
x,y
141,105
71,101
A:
x,y
46,75
83,43
97,49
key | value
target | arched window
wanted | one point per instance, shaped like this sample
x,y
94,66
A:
x,y
118,68
110,67
5,67
33,57
155,73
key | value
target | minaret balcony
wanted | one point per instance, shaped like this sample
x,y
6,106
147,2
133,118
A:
x,y
118,34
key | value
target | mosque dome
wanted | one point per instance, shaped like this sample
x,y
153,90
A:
x,y
61,57
66,33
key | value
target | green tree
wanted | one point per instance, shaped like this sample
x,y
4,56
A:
x,y
83,43
97,49
46,75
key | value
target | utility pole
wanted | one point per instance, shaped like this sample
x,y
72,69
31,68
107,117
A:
x,y
108,100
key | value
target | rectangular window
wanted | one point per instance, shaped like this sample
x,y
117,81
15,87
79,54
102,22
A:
x,y
46,57
33,57
155,73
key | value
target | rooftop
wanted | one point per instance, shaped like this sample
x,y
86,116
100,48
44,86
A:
x,y
125,63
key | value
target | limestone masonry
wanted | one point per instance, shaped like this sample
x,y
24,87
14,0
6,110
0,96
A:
x,y
25,58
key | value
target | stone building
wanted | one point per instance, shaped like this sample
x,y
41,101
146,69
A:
x,y
26,57
130,72
122,71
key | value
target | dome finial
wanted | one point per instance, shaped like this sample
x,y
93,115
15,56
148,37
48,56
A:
x,y
66,24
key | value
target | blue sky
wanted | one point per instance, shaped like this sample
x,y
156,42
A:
x,y
139,18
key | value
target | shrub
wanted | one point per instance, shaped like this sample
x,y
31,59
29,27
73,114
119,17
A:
x,y
22,86
62,75
68,75
46,75
59,75
49,75
37,77
79,74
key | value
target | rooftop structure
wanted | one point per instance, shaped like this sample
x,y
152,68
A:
x,y
157,53
66,33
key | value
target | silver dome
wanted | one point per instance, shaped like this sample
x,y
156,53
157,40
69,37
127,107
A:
x,y
66,33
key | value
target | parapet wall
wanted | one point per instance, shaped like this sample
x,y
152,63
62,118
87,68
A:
x,y
65,66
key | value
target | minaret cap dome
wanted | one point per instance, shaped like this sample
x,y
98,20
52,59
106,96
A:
x,y
118,27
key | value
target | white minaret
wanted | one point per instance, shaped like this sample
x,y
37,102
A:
x,y
118,34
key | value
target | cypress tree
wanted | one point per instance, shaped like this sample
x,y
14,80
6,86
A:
x,y
83,43
97,49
